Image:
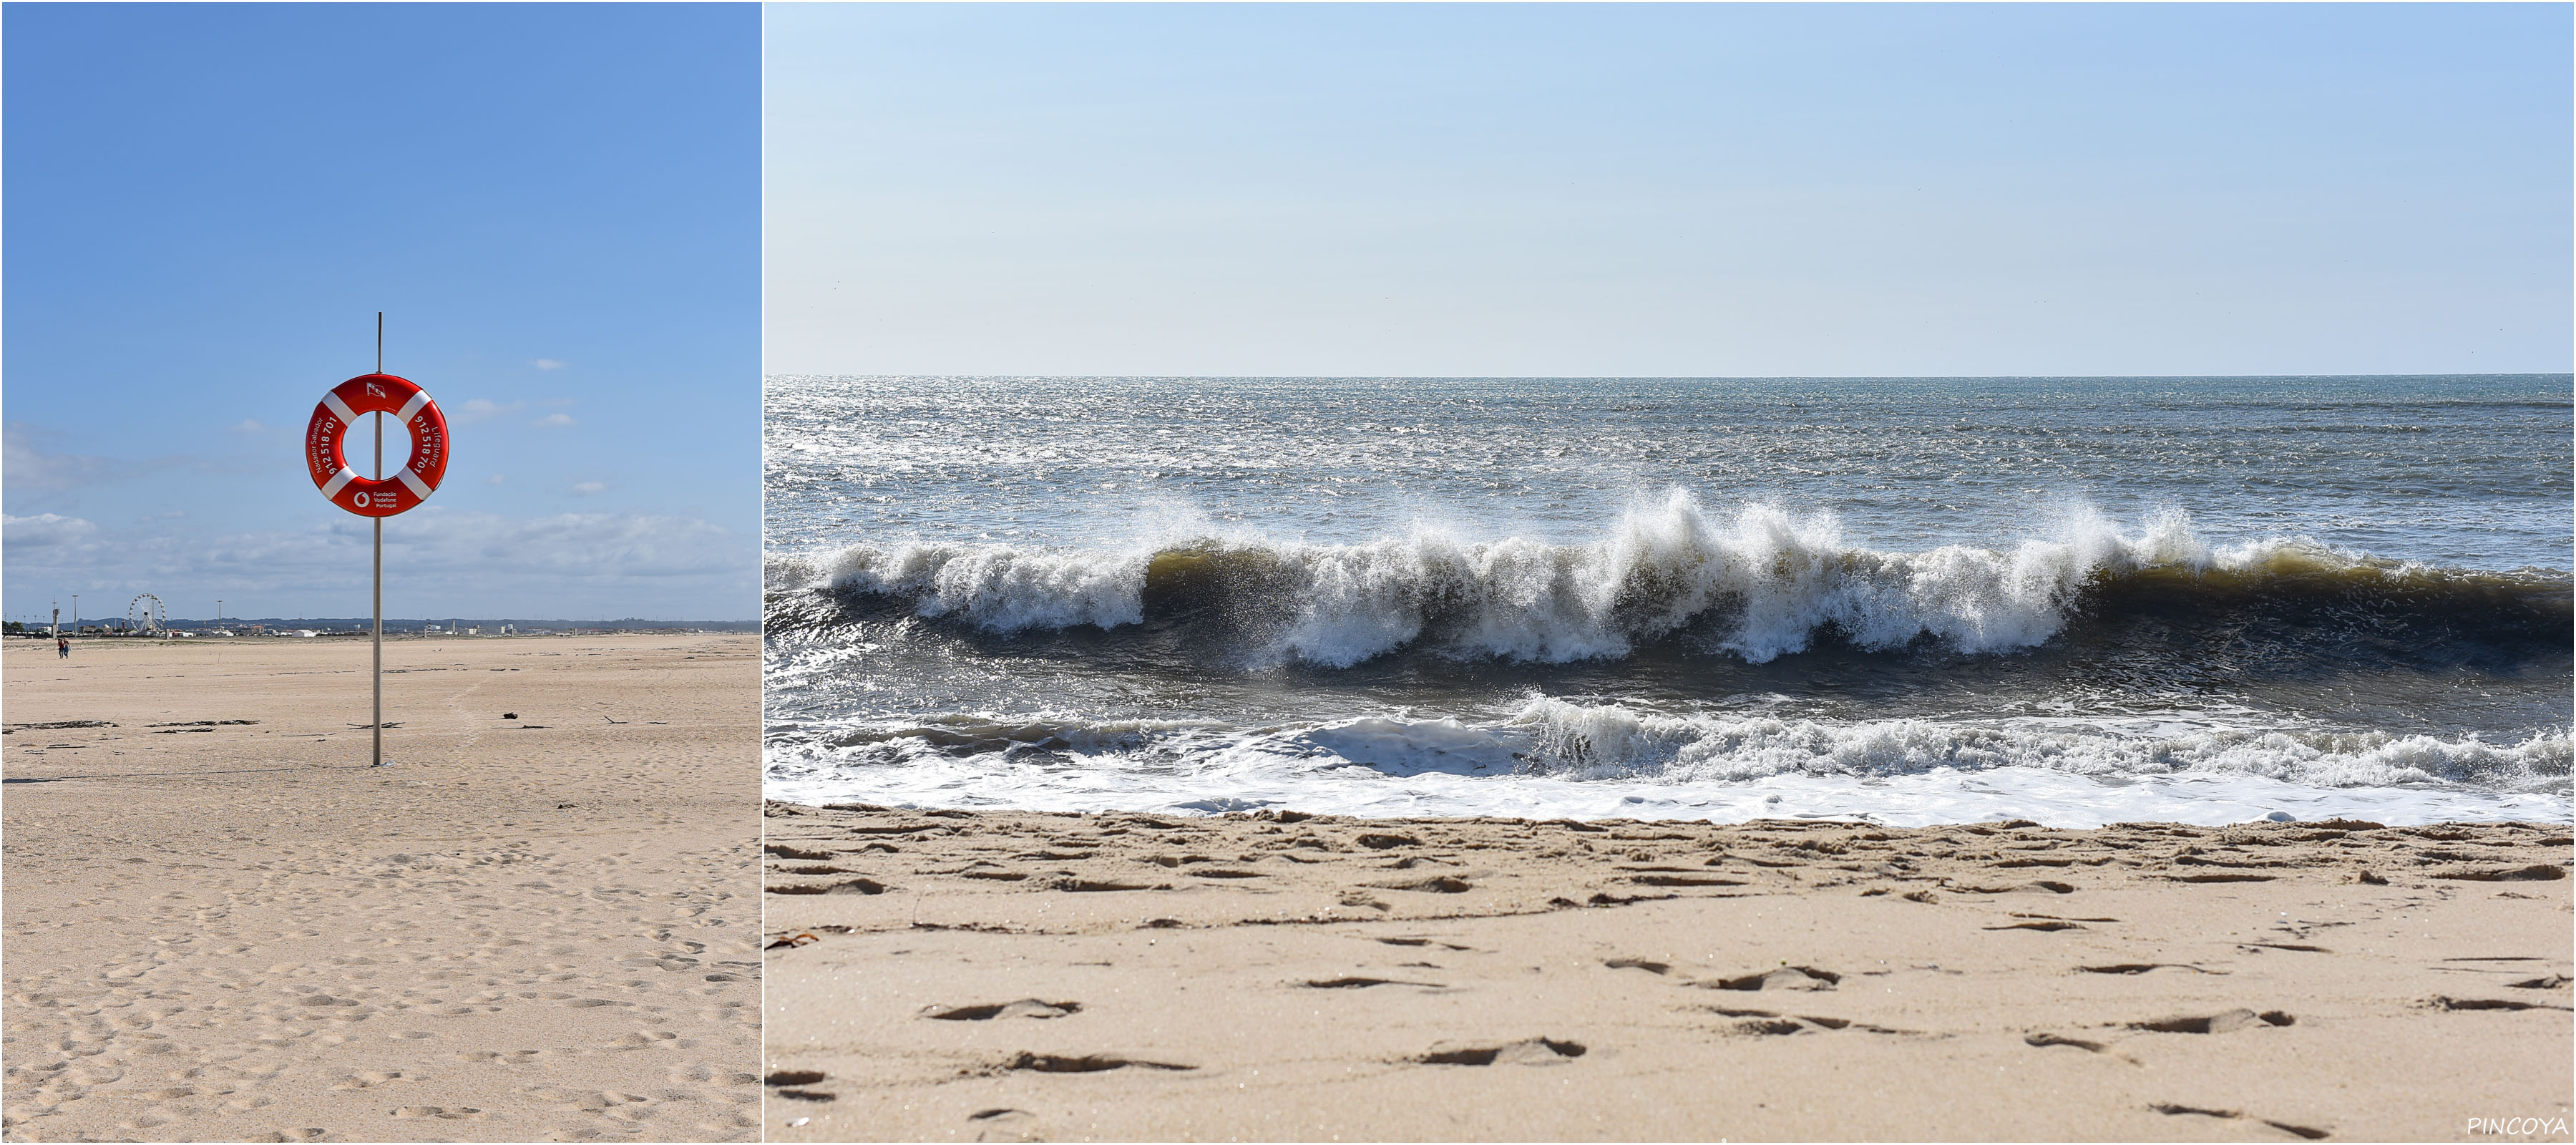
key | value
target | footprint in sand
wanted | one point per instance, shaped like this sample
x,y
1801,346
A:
x,y
1769,1024
2440,1002
443,1113
1092,885
2539,872
1424,942
1784,978
1438,884
844,887
1085,1063
1532,1051
1004,1125
2143,967
1355,983
2172,1110
2220,1023
2046,1039
1024,1008
641,1039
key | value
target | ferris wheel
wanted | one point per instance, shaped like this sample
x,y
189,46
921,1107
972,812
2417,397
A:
x,y
140,617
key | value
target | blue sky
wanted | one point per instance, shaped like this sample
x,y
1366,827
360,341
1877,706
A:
x,y
1737,190
555,205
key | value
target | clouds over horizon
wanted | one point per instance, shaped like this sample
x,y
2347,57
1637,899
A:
x,y
29,466
436,562
262,540
44,531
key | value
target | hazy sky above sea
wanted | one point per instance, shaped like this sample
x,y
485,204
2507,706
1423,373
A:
x,y
557,207
1585,190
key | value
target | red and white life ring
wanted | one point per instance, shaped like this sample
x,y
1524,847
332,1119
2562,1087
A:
x,y
340,409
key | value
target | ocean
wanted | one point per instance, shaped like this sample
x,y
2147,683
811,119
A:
x,y
1910,601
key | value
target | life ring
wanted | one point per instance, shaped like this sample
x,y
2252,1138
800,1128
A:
x,y
340,409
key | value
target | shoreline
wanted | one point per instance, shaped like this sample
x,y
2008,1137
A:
x,y
951,975
2235,800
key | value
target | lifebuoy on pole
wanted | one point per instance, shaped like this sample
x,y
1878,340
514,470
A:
x,y
340,409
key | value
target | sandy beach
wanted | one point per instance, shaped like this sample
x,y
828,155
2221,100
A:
x,y
534,924
956,976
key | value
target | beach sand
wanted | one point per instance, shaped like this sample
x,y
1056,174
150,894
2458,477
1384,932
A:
x,y
946,975
540,928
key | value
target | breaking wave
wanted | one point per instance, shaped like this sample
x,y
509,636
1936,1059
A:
x,y
1756,582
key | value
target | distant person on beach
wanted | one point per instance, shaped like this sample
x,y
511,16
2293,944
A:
x,y
62,648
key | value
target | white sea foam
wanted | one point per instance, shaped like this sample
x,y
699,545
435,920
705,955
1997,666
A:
x,y
1564,759
1611,740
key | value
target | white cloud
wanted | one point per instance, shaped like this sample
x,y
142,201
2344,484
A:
x,y
587,488
495,479
479,408
30,467
250,425
550,364
554,419
46,531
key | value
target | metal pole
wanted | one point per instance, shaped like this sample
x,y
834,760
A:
x,y
378,728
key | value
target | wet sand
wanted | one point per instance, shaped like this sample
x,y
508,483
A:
x,y
953,976
529,928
